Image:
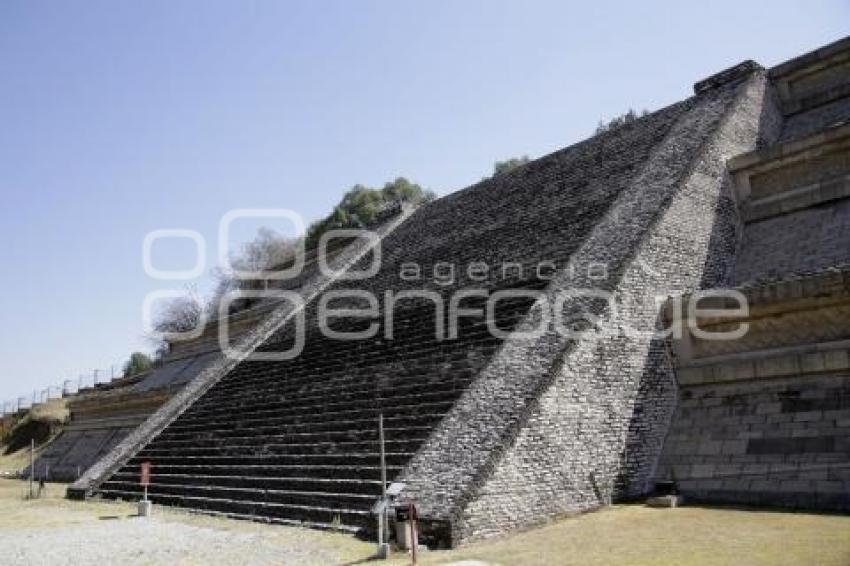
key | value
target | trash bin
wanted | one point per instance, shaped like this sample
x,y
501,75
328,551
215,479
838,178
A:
x,y
405,526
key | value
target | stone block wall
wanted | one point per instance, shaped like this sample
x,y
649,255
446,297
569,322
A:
x,y
763,420
793,199
793,194
781,442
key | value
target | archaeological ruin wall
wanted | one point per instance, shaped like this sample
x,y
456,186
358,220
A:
x,y
742,186
765,419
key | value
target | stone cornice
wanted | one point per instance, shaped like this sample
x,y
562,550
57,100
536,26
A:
x,y
772,297
815,71
744,168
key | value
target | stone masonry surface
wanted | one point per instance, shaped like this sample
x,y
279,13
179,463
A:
x,y
595,432
783,442
212,373
763,420
495,433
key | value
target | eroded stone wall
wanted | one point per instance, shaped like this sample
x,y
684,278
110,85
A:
x,y
555,425
765,419
780,442
597,432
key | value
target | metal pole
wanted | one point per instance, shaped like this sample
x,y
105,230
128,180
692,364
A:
x,y
413,541
382,522
383,456
32,464
381,531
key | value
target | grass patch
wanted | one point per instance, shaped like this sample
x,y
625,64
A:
x,y
640,536
633,535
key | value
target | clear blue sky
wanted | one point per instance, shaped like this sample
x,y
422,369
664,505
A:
x,y
117,118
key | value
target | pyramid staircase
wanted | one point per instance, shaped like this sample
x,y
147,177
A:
x,y
297,441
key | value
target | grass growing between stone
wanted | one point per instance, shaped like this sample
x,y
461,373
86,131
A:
x,y
628,535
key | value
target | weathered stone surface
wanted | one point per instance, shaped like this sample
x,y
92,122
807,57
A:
x,y
219,368
535,427
600,423
786,412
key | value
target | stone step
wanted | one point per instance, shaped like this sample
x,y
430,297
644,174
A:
x,y
365,356
287,497
206,439
315,448
319,471
320,406
353,373
349,460
412,339
328,391
280,392
348,519
298,483
335,527
388,376
326,417
341,426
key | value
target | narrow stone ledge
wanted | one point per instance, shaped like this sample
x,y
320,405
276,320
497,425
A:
x,y
757,190
809,59
797,199
767,157
777,363
814,78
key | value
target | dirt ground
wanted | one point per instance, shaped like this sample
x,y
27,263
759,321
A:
x,y
52,530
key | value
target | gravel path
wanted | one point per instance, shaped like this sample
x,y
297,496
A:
x,y
152,541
